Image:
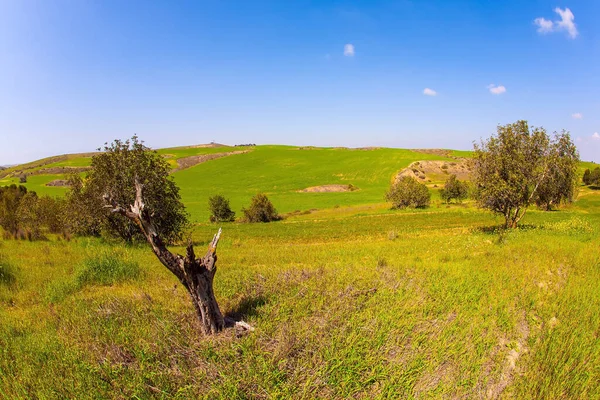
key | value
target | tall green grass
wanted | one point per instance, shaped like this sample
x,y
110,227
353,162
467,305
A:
x,y
103,268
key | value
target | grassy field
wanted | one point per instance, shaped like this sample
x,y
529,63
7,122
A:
x,y
355,301
282,171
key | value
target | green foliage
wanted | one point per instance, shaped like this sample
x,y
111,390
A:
x,y
85,207
25,215
114,172
519,166
560,183
106,269
586,176
28,215
591,177
53,214
407,192
454,190
220,211
10,198
260,210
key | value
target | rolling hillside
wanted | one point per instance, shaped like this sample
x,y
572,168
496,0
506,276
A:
x,y
282,172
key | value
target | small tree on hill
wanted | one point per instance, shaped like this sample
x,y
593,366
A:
x,y
407,192
512,166
260,210
586,177
220,210
593,177
454,189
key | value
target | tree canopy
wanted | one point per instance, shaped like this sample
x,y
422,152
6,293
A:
x,y
114,173
519,166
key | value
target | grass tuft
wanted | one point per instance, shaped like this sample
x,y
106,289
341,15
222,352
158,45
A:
x,y
8,272
106,269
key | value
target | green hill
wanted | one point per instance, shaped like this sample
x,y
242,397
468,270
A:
x,y
281,172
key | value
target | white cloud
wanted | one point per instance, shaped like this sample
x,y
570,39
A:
x,y
496,89
349,50
566,23
577,115
596,136
429,92
544,25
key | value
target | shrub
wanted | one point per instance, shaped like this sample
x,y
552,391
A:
x,y
23,178
261,210
407,192
591,177
220,210
10,198
106,269
586,177
454,189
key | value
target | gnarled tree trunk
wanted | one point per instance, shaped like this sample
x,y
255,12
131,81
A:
x,y
195,274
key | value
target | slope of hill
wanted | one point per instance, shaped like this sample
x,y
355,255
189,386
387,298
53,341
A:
x,y
281,172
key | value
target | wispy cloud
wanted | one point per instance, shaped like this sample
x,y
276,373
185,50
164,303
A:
x,y
496,89
596,136
429,92
577,115
566,23
349,50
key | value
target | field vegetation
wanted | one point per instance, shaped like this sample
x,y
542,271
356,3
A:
x,y
348,297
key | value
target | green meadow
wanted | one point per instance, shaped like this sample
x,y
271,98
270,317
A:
x,y
348,298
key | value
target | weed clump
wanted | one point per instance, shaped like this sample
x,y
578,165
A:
x,y
8,273
107,269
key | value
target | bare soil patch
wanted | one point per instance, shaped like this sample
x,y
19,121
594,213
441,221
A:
x,y
436,170
438,152
329,189
190,161
58,182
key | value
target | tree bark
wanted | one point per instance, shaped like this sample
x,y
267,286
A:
x,y
195,274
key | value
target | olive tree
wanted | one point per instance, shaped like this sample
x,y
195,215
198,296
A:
x,y
138,191
560,183
407,192
514,167
454,189
114,171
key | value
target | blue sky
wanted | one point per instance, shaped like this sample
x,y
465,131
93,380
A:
x,y
75,74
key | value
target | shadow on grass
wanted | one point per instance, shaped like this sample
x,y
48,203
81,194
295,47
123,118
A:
x,y
247,307
594,187
500,229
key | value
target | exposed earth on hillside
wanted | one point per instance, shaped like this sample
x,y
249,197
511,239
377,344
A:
x,y
190,161
58,182
437,170
329,189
